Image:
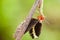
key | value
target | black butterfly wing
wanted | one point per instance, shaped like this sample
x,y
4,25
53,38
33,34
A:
x,y
32,22
37,29
31,34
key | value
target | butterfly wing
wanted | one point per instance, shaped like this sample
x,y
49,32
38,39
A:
x,y
36,30
34,27
32,22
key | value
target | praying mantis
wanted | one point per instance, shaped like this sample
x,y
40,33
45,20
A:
x,y
21,29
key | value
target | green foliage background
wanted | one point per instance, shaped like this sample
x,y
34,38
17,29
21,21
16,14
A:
x,y
12,12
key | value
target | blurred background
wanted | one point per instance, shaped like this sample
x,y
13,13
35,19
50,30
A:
x,y
13,12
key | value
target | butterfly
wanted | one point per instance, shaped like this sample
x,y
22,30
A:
x,y
34,27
